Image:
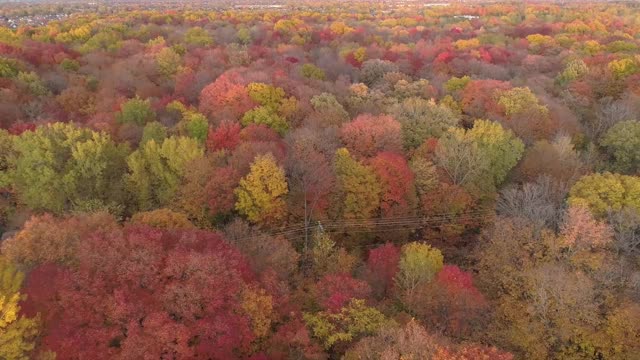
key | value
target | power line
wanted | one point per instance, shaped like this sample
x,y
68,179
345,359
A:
x,y
375,225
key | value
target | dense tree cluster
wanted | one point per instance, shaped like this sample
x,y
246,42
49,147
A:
x,y
346,180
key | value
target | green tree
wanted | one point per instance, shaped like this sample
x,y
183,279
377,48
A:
x,y
310,71
198,36
31,81
422,119
623,67
94,177
500,146
17,333
352,322
156,169
196,125
266,95
622,144
108,39
266,116
81,165
456,83
6,154
327,258
244,36
70,65
136,111
359,190
168,61
519,100
153,131
419,263
331,110
9,67
260,192
604,192
573,70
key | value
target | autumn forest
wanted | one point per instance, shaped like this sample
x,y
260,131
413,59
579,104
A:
x,y
335,180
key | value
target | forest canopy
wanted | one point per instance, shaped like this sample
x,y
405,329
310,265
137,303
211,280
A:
x,y
346,180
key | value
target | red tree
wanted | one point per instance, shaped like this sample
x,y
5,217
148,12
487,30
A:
x,y
227,97
382,266
335,290
478,97
259,132
219,190
225,137
397,183
367,135
140,292
451,302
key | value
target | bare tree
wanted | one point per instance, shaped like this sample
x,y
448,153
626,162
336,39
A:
x,y
461,160
626,226
310,179
540,202
608,112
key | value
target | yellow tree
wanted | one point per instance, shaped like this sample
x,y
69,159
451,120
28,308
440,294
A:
x,y
17,333
259,196
419,263
358,192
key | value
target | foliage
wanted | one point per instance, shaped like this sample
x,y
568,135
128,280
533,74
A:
x,y
9,67
136,111
383,265
422,119
45,239
153,131
519,100
353,321
31,81
162,219
336,290
574,69
197,36
374,70
264,115
225,136
17,332
367,135
623,67
397,182
327,258
156,169
260,193
603,192
456,84
83,165
418,265
226,96
358,187
197,126
622,144
178,282
310,71
310,137
168,61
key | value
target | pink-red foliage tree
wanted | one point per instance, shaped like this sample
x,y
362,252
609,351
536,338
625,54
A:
x,y
398,191
225,137
335,290
368,135
225,98
140,292
382,267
